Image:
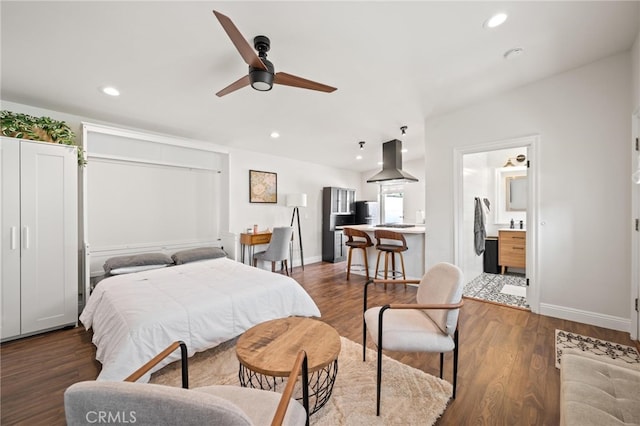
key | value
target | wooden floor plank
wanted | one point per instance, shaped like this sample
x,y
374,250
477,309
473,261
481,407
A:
x,y
506,369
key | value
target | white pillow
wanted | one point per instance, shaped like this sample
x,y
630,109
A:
x,y
132,269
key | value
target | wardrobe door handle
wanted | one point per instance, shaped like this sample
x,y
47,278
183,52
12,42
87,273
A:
x,y
14,237
25,238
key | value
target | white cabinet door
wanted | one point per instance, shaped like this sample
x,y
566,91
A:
x,y
49,266
10,233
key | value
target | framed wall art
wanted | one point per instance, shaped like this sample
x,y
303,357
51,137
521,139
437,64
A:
x,y
263,187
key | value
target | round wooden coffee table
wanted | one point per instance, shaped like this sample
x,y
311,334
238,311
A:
x,y
268,351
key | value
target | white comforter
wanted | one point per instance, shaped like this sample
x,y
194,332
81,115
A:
x,y
136,316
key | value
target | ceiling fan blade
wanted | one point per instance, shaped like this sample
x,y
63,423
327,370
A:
x,y
239,84
238,40
292,80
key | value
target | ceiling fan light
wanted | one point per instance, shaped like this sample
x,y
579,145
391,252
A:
x,y
261,80
261,86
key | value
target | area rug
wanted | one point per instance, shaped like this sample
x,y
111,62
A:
x,y
408,394
567,340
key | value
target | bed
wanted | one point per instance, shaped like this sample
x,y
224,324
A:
x,y
135,316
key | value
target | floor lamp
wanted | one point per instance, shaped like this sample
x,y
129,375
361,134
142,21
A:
x,y
296,201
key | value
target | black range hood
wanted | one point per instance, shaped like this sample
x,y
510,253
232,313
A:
x,y
392,165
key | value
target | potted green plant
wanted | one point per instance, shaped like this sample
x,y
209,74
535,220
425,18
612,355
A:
x,y
46,129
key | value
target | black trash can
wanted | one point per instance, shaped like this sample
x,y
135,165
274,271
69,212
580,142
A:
x,y
491,255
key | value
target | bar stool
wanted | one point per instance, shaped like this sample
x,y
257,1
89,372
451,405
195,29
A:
x,y
390,243
362,242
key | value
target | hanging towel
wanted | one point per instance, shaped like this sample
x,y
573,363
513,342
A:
x,y
479,231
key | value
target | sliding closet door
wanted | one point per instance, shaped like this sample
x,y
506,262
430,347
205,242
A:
x,y
49,227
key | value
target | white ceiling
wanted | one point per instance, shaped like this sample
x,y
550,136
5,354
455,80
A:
x,y
394,64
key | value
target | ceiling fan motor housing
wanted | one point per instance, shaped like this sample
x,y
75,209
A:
x,y
260,79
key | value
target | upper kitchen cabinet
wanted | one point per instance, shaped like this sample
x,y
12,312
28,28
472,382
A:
x,y
342,200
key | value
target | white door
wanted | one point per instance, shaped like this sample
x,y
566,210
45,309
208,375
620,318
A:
x,y
635,233
10,247
49,268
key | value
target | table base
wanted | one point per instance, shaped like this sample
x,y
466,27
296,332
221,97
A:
x,y
320,383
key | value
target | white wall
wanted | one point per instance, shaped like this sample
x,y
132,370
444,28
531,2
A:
x,y
582,117
293,177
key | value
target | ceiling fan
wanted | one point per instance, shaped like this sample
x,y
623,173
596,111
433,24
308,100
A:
x,y
261,71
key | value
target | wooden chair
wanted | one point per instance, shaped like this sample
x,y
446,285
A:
x,y
390,243
357,239
159,405
430,325
278,249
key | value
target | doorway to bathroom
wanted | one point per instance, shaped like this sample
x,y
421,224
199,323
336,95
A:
x,y
495,228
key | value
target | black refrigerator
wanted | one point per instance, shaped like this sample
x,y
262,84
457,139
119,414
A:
x,y
367,212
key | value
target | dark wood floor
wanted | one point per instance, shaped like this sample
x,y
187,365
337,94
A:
x,y
506,368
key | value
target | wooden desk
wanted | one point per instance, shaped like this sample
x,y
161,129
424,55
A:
x,y
251,240
268,350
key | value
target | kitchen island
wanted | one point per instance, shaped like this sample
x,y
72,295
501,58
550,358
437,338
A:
x,y
414,257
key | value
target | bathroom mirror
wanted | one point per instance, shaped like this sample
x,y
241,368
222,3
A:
x,y
511,194
516,193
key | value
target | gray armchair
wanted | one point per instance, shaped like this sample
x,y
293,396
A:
x,y
125,402
278,250
430,325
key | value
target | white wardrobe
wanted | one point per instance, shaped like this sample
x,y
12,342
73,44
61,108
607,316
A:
x,y
39,250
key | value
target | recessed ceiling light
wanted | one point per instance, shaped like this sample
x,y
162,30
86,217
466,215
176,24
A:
x,y
496,20
359,157
513,53
275,135
403,150
111,91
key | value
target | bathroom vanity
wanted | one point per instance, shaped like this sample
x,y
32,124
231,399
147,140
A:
x,y
512,248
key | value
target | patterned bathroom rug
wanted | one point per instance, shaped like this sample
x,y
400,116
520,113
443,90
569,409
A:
x,y
566,340
508,289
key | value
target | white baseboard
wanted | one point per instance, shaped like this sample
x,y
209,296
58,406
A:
x,y
307,260
586,317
